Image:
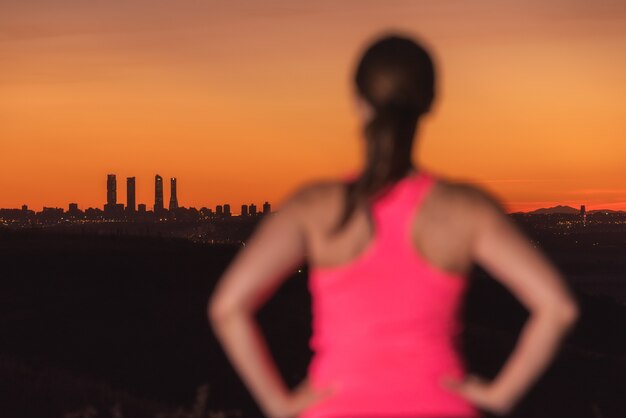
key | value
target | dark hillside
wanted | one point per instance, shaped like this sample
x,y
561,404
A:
x,y
118,324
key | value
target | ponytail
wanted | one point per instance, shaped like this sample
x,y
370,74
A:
x,y
389,139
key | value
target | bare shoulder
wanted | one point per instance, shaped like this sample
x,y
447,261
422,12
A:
x,y
477,217
468,199
309,200
467,207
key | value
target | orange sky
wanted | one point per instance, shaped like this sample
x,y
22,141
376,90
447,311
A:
x,y
243,101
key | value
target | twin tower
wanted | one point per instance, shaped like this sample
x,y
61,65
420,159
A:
x,y
130,194
158,194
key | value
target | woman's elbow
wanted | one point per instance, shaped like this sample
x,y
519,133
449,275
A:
x,y
568,312
563,312
571,311
216,310
220,310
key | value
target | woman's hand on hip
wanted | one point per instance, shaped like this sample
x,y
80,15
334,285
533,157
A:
x,y
301,398
479,392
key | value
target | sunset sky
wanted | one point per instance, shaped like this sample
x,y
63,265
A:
x,y
245,100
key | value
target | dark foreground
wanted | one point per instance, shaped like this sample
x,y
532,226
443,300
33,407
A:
x,y
116,327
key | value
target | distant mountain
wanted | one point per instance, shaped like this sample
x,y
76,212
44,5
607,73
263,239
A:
x,y
556,209
606,210
569,210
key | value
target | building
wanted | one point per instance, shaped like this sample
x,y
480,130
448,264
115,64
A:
x,y
111,189
252,209
111,204
244,210
173,198
218,210
583,214
51,214
130,194
226,209
158,194
73,210
266,207
141,208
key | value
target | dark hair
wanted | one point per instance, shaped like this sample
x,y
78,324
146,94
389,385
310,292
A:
x,y
396,76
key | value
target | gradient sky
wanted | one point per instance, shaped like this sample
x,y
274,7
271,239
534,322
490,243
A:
x,y
244,101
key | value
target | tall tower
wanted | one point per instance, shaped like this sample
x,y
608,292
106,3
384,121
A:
x,y
111,190
130,194
158,193
173,198
583,214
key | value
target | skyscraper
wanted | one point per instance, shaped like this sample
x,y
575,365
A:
x,y
173,198
111,190
158,193
583,214
130,194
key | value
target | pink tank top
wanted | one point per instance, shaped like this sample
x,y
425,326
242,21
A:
x,y
384,323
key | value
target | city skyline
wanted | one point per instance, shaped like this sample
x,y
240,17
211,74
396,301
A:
x,y
156,191
112,205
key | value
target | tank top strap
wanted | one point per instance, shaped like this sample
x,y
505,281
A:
x,y
396,206
393,212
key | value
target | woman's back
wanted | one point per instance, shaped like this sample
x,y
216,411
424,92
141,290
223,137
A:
x,y
385,323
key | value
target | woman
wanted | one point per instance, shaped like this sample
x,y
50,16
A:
x,y
389,250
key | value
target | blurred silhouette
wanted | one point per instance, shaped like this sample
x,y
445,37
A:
x,y
389,249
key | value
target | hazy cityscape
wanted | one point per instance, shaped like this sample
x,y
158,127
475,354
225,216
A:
x,y
174,220
131,211
221,224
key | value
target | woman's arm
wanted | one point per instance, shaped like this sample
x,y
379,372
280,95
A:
x,y
273,252
507,254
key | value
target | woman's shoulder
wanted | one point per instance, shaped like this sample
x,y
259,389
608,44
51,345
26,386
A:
x,y
313,197
467,196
